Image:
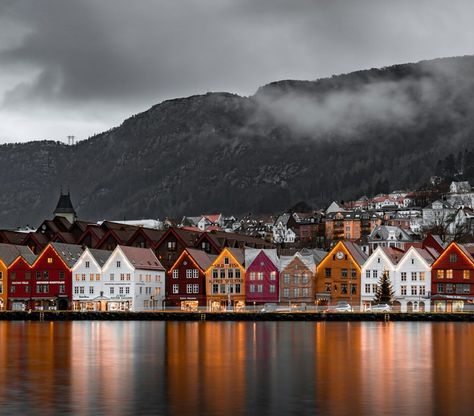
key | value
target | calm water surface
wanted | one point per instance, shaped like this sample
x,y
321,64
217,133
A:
x,y
232,368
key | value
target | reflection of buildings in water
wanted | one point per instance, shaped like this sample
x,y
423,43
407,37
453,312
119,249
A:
x,y
102,366
205,367
452,360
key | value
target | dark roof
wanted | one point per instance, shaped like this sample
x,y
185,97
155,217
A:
x,y
142,258
359,256
202,259
9,253
12,237
69,253
64,205
101,256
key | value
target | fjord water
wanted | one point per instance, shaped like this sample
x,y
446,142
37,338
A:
x,y
232,368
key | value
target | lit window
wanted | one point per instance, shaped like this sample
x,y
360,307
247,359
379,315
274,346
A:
x,y
175,288
175,274
466,274
449,274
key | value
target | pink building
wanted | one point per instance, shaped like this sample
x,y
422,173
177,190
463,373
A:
x,y
261,276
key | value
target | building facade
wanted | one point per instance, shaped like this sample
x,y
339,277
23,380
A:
x,y
297,279
261,276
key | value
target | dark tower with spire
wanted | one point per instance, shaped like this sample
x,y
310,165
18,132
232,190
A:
x,y
64,207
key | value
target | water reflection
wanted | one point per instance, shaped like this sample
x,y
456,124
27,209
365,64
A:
x,y
122,368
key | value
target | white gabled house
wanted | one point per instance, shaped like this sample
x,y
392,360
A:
x,y
412,285
383,259
87,284
127,279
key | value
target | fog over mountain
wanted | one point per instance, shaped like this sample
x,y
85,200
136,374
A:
x,y
334,138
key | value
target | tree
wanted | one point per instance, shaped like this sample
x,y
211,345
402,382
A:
x,y
384,292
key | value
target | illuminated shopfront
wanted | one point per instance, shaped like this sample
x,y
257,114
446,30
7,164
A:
x,y
189,305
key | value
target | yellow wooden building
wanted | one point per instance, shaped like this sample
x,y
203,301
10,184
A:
x,y
225,284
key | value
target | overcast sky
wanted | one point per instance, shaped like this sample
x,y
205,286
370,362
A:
x,y
79,67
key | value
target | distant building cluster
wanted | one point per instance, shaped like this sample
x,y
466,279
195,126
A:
x,y
297,259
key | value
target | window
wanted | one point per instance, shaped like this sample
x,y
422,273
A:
x,y
453,258
127,290
237,288
175,274
327,287
374,288
252,276
286,278
422,276
128,276
286,292
353,289
83,277
272,288
374,274
449,288
466,274
226,260
305,278
413,276
97,277
353,273
50,260
440,287
344,288
414,291
449,274
237,273
38,275
403,276
260,288
215,289
412,261
27,275
189,273
222,288
422,291
252,288
87,264
12,288
403,290
122,277
296,279
195,273
195,288
91,277
215,273
367,288
222,274
440,274
91,290
112,290
305,292
175,289
28,289
344,273
111,277
45,275
327,272
118,264
171,245
367,274
76,290
467,289
121,290
296,292
260,276
273,275
230,273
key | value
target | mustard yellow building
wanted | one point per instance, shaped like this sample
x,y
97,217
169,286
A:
x,y
225,285
338,275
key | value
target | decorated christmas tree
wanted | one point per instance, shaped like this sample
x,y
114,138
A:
x,y
384,292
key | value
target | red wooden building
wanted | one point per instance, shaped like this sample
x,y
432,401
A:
x,y
47,283
186,280
452,279
262,276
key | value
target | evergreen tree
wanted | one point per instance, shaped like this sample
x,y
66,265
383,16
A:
x,y
384,292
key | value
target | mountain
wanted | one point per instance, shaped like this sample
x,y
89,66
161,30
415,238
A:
x,y
335,138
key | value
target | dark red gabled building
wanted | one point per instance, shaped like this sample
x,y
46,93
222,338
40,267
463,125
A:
x,y
172,244
47,283
20,283
452,279
262,276
146,238
186,280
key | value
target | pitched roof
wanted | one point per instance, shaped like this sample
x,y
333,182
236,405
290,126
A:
x,y
69,253
468,250
202,259
426,254
100,256
356,252
252,253
389,232
307,260
9,253
142,258
12,237
64,205
238,254
394,254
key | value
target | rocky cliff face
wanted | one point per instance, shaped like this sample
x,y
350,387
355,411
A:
x,y
335,138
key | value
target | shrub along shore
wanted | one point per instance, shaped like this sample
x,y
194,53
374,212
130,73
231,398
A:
x,y
230,316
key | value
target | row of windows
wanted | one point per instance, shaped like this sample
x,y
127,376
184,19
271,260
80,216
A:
x,y
190,273
296,292
459,288
448,274
40,275
344,272
226,273
297,279
225,289
261,275
41,288
343,288
259,288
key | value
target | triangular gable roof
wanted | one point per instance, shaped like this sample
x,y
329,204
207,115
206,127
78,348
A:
x,y
12,237
252,253
151,234
186,238
465,249
9,253
201,258
141,258
334,207
119,235
100,256
306,260
94,230
355,251
69,253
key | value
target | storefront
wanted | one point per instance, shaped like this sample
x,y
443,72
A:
x,y
18,304
119,305
452,304
44,304
220,305
189,305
